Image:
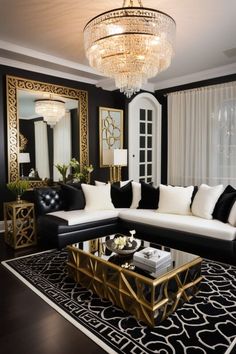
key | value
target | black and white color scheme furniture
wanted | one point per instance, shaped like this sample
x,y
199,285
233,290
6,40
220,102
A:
x,y
199,220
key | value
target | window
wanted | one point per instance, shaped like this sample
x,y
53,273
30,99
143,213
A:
x,y
202,136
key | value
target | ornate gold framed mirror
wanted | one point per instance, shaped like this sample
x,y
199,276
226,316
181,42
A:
x,y
15,85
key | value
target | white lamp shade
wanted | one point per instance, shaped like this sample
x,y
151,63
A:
x,y
24,157
115,157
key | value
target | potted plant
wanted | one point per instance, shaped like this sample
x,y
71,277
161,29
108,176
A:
x,y
18,188
81,173
62,169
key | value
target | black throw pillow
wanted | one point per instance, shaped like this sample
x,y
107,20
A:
x,y
149,196
224,204
121,196
195,189
73,196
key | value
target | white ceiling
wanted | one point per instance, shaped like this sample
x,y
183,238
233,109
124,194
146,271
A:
x,y
47,36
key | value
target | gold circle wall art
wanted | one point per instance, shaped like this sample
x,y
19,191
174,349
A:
x,y
110,130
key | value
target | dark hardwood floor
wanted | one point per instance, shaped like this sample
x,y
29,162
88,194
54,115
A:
x,y
28,324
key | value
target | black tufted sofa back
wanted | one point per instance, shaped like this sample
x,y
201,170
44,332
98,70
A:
x,y
48,199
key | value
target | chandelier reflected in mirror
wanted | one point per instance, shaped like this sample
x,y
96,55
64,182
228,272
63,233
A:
x,y
130,44
52,110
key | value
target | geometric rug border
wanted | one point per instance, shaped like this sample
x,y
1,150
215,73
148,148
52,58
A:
x,y
56,307
88,333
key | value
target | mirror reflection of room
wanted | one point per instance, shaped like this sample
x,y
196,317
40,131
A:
x,y
44,142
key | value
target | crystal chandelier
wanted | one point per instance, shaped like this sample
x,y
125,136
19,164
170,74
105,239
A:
x,y
130,44
50,109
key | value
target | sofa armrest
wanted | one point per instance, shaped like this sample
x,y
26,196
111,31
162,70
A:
x,y
48,199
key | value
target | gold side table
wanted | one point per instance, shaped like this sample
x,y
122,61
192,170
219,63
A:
x,y
19,219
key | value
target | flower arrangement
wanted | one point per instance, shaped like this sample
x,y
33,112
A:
x,y
80,173
18,187
124,242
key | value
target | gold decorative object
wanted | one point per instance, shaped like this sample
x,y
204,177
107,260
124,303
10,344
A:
x,y
115,159
18,187
130,44
110,130
19,221
149,300
13,85
22,142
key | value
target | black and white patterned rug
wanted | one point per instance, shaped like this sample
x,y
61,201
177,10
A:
x,y
205,325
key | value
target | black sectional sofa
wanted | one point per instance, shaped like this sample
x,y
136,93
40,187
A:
x,y
55,231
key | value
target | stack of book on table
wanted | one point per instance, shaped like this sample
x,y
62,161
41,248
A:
x,y
151,259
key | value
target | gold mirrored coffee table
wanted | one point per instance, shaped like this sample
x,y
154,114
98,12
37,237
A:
x,y
150,297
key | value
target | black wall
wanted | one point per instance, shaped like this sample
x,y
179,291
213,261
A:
x,y
96,98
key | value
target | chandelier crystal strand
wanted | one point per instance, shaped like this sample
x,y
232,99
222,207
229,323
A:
x,y
130,44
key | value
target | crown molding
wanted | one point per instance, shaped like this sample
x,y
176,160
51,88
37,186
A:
x,y
46,71
45,57
199,76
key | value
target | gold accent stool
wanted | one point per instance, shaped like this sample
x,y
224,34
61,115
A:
x,y
19,218
150,300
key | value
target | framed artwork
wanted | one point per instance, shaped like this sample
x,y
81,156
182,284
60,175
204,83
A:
x,y
110,130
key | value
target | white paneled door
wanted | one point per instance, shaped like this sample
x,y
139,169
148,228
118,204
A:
x,y
145,139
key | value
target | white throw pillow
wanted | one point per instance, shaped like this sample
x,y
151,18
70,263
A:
x,y
175,200
123,183
205,200
232,215
97,197
136,190
99,183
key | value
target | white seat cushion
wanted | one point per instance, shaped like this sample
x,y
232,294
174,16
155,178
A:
x,y
187,223
75,217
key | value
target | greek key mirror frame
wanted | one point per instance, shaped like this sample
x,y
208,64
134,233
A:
x,y
110,130
13,84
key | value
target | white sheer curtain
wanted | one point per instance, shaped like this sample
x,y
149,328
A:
x,y
202,136
61,144
41,149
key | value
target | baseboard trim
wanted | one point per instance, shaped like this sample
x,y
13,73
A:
x,y
1,226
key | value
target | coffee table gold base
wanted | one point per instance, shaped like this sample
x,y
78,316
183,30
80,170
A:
x,y
149,300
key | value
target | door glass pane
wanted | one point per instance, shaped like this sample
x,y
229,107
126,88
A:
x,y
142,128
149,115
142,156
142,170
142,114
149,145
149,155
142,141
149,169
149,128
149,179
